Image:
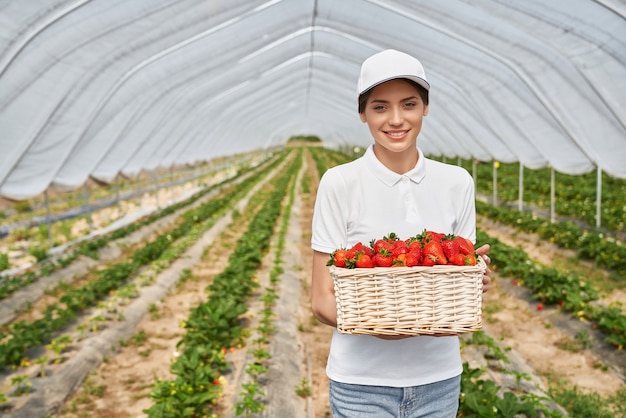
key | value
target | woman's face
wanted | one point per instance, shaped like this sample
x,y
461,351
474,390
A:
x,y
394,114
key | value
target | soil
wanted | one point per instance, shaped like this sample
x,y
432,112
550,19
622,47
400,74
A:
x,y
120,385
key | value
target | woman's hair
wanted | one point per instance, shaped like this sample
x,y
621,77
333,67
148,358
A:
x,y
421,90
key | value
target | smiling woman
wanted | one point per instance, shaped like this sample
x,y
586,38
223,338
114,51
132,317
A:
x,y
393,187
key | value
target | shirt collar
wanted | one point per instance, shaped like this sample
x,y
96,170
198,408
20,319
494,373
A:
x,y
388,177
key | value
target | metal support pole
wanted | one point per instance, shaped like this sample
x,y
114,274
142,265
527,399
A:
x,y
495,183
520,197
156,189
88,208
48,218
599,198
552,194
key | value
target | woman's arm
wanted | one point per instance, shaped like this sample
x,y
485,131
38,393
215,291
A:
x,y
323,291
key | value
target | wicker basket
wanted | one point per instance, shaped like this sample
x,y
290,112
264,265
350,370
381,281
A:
x,y
437,300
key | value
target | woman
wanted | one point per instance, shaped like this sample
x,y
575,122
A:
x,y
393,187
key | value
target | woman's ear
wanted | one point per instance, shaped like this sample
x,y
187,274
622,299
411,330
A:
x,y
426,110
363,118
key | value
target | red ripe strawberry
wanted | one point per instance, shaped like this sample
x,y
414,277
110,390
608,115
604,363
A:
x,y
383,259
427,261
435,236
381,244
470,259
400,248
450,246
433,250
365,249
416,252
457,259
359,247
338,258
411,259
364,261
466,246
413,244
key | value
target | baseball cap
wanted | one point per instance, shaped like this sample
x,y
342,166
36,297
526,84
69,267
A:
x,y
388,65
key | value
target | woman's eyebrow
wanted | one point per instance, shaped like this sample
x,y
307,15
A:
x,y
386,101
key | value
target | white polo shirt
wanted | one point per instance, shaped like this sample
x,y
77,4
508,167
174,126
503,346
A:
x,y
364,200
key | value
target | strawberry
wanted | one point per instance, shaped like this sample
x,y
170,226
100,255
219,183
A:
x,y
365,249
416,252
435,236
467,246
383,259
338,258
359,247
364,261
457,259
400,260
381,244
400,248
470,259
411,259
433,250
427,261
450,246
413,244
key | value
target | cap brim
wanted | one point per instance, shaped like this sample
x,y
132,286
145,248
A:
x,y
418,80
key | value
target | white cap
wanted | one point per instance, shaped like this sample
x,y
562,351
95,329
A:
x,y
388,65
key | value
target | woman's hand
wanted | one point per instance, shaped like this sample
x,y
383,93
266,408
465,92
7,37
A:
x,y
482,252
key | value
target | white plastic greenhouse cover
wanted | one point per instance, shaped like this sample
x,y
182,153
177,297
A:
x,y
98,88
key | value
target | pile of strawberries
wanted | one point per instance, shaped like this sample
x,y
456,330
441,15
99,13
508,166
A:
x,y
426,249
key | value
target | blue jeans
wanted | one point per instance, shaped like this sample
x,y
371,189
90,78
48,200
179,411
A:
x,y
434,400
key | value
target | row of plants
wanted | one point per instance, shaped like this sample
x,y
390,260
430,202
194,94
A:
x,y
325,158
61,231
565,290
575,195
11,283
27,209
252,394
20,336
605,252
216,324
483,398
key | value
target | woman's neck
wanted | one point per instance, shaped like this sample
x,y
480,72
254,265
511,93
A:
x,y
398,162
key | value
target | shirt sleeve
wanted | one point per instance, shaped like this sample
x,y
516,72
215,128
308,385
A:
x,y
466,224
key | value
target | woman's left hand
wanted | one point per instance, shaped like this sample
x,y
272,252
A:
x,y
482,252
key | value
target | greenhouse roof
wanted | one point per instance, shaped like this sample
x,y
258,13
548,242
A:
x,y
99,88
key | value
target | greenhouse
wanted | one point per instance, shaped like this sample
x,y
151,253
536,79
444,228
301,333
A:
x,y
160,163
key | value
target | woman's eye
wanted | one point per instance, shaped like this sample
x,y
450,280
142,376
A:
x,y
410,104
379,108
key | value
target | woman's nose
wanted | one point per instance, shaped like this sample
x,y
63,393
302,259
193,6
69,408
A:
x,y
395,117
